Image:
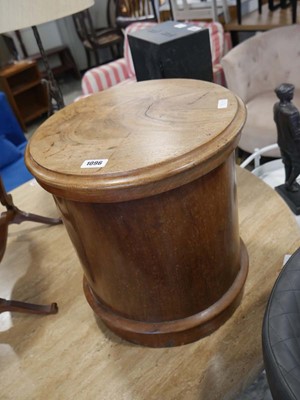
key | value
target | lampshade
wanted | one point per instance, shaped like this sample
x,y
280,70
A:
x,y
18,14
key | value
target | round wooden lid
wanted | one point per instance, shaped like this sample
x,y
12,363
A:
x,y
136,140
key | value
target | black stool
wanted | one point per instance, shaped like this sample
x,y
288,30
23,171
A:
x,y
281,333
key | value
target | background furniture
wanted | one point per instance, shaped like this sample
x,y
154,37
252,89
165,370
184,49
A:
x,y
12,146
24,90
130,11
95,39
15,216
15,16
253,69
191,10
280,333
216,367
283,4
67,62
253,22
122,70
59,53
239,9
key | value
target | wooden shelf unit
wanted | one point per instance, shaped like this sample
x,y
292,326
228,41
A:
x,y
64,55
25,92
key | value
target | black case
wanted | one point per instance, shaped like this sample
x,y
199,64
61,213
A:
x,y
171,50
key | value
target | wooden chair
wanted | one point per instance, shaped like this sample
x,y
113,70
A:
x,y
130,11
273,6
239,9
95,39
189,10
13,215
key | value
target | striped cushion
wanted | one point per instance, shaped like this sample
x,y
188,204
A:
x,y
218,77
100,78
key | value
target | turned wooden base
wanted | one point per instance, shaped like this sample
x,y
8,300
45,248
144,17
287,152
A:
x,y
181,331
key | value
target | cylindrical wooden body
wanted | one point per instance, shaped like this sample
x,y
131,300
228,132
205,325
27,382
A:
x,y
163,261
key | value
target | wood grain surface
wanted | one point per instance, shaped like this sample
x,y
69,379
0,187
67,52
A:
x,y
72,356
156,135
167,269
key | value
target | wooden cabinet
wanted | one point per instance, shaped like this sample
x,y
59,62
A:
x,y
64,62
25,92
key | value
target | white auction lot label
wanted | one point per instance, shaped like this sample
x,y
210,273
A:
x,y
180,26
98,163
194,28
223,103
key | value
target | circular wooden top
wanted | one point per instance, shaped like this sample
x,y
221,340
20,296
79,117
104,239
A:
x,y
153,136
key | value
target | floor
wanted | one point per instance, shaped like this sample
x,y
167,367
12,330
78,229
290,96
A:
x,y
71,89
254,21
258,390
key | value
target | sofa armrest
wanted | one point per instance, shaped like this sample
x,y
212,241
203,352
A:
x,y
104,77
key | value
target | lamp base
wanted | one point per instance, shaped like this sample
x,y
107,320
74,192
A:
x,y
52,86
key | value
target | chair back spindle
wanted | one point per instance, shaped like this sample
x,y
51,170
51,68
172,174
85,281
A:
x,y
130,11
188,10
94,39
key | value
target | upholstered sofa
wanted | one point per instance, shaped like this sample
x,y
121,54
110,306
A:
x,y
253,69
122,70
12,146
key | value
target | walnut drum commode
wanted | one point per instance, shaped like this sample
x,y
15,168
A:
x,y
144,176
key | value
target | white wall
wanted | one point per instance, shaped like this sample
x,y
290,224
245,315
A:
x,y
49,34
62,31
69,37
